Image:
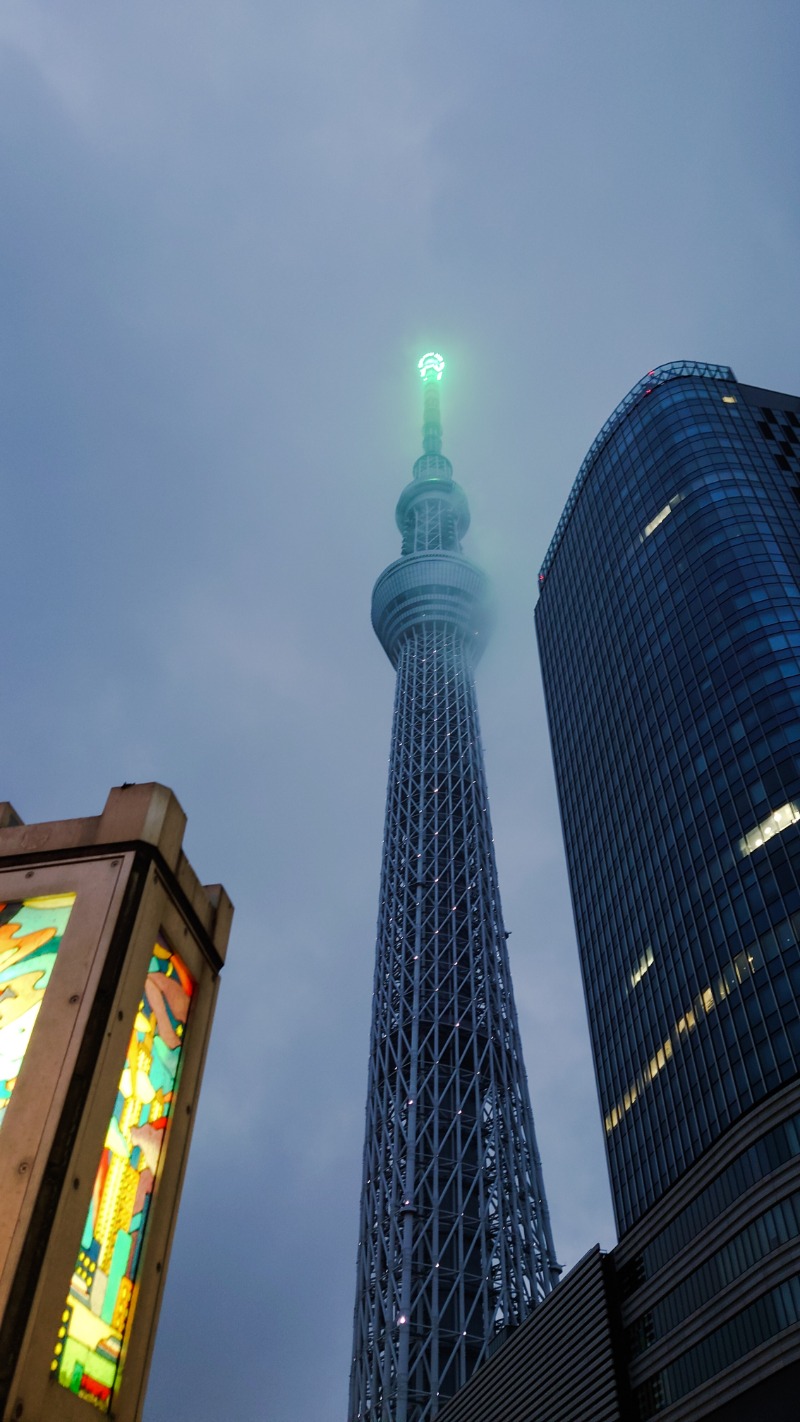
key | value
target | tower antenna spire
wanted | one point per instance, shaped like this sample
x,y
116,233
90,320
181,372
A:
x,y
430,367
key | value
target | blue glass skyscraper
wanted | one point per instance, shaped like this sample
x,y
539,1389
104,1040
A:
x,y
669,631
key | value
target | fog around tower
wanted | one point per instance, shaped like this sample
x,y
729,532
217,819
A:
x,y
227,234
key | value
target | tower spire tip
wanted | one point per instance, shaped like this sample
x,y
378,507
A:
x,y
430,366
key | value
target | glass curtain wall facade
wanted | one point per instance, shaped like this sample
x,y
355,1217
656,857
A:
x,y
669,630
454,1241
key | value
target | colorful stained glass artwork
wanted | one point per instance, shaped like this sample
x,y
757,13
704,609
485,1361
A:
x,y
30,937
99,1305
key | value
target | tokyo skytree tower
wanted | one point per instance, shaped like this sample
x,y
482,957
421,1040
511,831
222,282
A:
x,y
454,1242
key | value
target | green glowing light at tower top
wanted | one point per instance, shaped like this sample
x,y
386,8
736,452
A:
x,y
431,366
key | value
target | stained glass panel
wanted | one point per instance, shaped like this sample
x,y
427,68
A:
x,y
30,937
99,1304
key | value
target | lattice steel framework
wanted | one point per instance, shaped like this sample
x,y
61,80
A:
x,y
455,1244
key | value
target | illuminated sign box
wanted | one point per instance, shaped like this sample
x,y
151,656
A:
x,y
110,954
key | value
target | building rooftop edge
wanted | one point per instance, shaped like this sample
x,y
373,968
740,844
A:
x,y
673,370
147,814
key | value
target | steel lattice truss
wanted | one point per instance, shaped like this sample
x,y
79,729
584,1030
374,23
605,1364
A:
x,y
455,1243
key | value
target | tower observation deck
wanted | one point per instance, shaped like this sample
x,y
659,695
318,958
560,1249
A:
x,y
455,1246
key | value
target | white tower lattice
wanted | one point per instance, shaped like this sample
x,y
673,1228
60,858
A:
x,y
455,1244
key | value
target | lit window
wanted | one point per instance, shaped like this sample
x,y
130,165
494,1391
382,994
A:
x,y
660,516
742,967
775,823
729,399
646,961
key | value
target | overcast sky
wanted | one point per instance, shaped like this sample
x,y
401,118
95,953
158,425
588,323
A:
x,y
227,232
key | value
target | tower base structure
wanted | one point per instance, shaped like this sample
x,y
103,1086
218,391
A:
x,y
110,955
